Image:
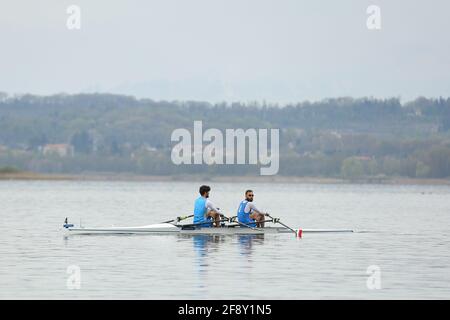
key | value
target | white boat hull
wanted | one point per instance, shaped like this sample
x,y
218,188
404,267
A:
x,y
167,228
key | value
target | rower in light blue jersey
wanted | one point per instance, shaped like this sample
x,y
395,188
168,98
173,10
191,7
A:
x,y
205,212
248,213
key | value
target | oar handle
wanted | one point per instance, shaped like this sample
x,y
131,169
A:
x,y
230,219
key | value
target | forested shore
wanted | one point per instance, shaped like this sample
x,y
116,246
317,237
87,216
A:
x,y
363,139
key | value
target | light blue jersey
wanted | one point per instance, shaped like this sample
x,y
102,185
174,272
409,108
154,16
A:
x,y
200,212
245,217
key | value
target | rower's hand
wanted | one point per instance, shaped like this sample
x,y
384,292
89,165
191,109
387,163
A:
x,y
266,214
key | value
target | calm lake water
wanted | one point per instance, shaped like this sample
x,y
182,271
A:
x,y
403,232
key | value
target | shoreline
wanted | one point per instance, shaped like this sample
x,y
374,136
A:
x,y
31,176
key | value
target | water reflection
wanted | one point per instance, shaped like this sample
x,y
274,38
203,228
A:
x,y
206,244
206,247
203,244
247,242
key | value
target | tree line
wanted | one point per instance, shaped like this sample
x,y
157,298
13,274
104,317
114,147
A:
x,y
341,137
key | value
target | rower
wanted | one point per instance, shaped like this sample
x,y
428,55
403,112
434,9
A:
x,y
204,210
248,213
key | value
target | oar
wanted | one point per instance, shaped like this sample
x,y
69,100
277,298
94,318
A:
x,y
243,224
269,220
198,223
178,219
277,220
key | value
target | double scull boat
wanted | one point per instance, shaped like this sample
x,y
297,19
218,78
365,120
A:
x,y
176,228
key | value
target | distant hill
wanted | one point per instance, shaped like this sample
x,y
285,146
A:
x,y
341,137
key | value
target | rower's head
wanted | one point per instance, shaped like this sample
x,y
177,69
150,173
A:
x,y
249,195
204,191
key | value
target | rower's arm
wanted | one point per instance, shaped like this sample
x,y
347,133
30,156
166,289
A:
x,y
252,208
210,206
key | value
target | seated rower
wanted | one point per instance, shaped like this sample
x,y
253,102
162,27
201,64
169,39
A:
x,y
248,213
205,211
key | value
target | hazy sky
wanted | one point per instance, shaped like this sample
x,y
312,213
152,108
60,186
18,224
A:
x,y
277,50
